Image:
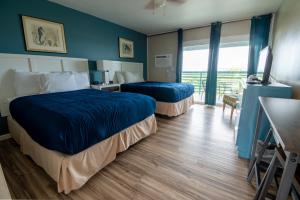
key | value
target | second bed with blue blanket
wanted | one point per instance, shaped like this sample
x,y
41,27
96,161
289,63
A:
x,y
70,122
161,91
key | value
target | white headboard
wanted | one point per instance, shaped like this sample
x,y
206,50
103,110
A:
x,y
114,66
33,63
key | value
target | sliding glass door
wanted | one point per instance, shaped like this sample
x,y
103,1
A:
x,y
232,59
232,68
194,69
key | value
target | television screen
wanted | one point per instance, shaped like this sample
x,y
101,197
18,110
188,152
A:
x,y
265,64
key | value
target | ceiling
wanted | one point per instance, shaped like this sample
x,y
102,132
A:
x,y
194,13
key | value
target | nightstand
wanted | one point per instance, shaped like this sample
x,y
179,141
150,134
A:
x,y
108,87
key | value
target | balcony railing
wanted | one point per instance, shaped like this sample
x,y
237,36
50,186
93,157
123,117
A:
x,y
228,82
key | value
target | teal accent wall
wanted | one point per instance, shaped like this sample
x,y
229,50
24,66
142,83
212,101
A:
x,y
86,36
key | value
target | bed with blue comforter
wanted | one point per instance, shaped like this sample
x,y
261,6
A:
x,y
161,91
70,122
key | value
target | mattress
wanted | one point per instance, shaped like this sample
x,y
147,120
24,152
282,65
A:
x,y
161,91
70,122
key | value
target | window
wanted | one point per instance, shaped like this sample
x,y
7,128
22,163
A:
x,y
233,58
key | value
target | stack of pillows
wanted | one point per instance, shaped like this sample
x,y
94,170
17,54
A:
x,y
128,77
30,83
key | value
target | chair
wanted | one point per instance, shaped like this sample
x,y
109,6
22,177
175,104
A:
x,y
274,171
278,161
224,87
232,101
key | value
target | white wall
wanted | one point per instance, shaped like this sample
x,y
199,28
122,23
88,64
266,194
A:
x,y
162,44
286,45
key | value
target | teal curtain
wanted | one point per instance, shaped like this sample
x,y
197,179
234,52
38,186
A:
x,y
179,56
259,38
211,83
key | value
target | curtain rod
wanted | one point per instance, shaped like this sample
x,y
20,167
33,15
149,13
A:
x,y
225,22
204,26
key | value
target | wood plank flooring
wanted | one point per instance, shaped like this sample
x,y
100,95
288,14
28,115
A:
x,y
192,156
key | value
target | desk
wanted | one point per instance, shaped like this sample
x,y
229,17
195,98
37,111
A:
x,y
284,117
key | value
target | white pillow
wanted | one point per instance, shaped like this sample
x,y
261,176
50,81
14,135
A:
x,y
82,80
120,77
26,83
131,77
57,82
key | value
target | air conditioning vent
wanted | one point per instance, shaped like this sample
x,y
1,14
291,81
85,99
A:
x,y
163,60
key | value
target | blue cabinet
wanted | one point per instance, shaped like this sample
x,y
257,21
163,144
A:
x,y
249,110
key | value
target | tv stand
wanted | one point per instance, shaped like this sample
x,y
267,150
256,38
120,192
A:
x,y
249,110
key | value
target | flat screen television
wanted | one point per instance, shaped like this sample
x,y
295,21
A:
x,y
265,64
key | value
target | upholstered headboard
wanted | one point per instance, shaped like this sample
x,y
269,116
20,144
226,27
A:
x,y
32,63
114,66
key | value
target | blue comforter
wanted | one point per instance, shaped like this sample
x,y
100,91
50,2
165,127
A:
x,y
161,91
70,122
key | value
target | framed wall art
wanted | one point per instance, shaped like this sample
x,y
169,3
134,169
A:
x,y
126,48
42,35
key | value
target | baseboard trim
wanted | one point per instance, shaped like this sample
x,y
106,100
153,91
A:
x,y
5,137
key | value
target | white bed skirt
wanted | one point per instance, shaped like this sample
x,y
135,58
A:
x,y
174,109
72,171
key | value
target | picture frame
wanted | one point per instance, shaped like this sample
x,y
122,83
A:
x,y
43,35
126,48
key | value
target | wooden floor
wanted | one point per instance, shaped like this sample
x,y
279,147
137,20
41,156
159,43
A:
x,y
192,156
